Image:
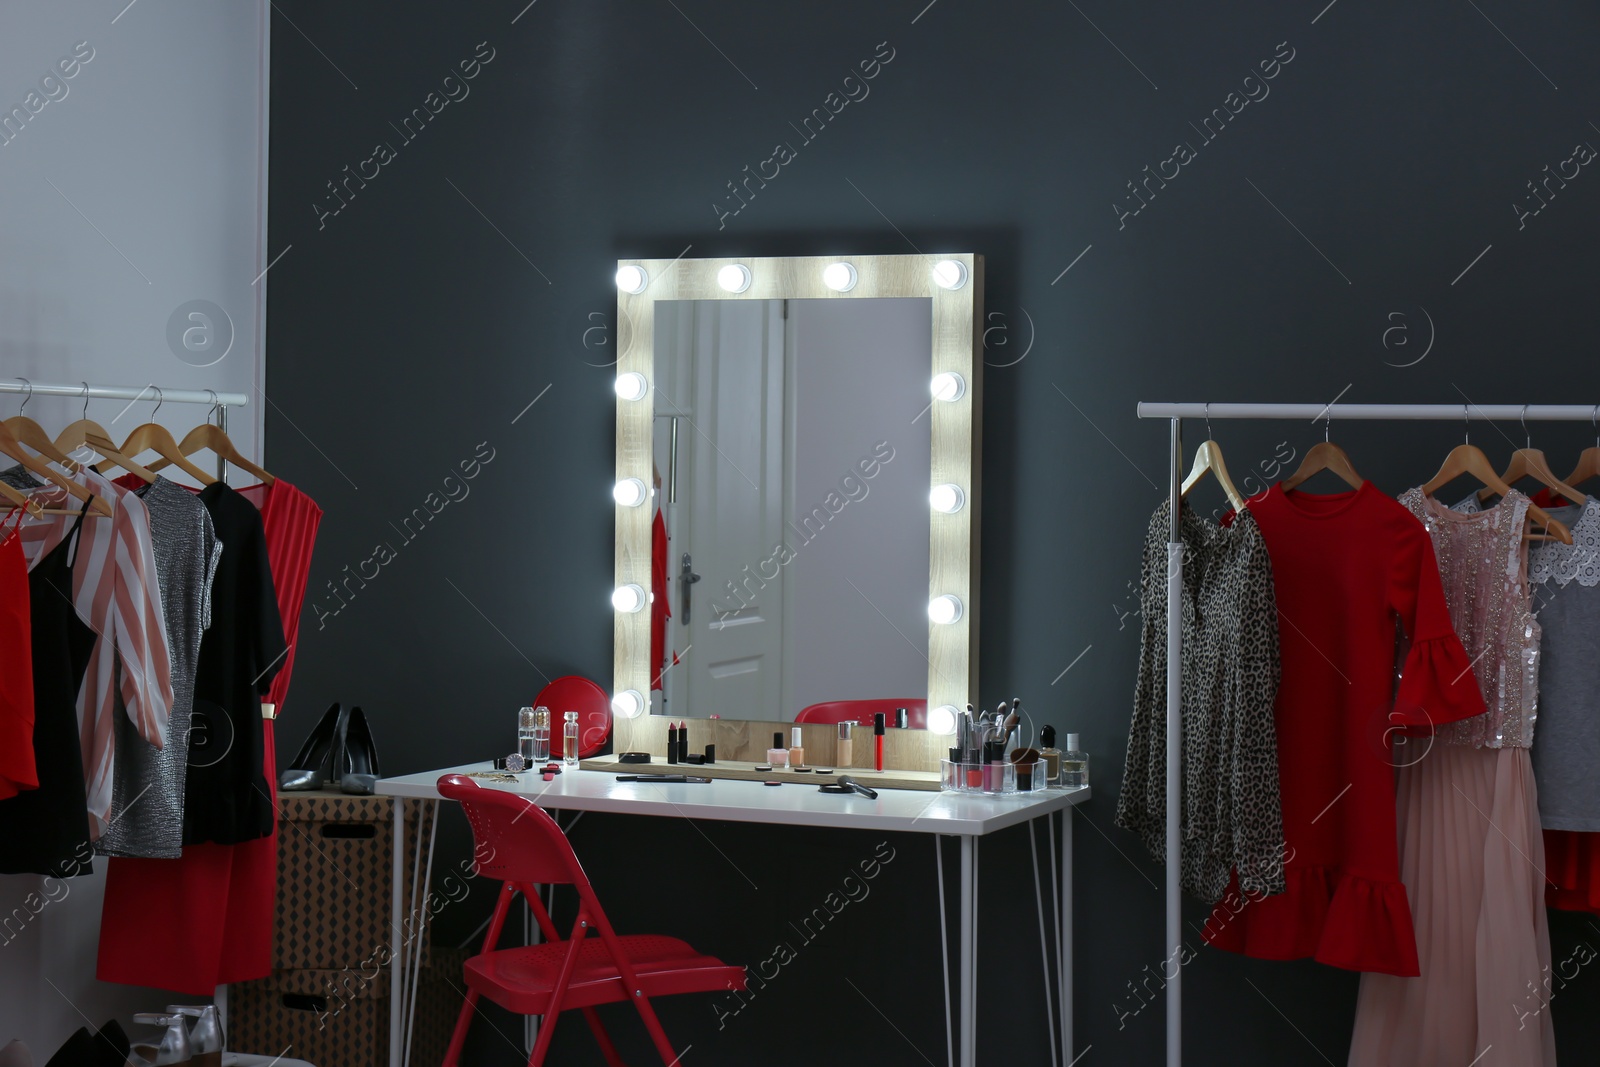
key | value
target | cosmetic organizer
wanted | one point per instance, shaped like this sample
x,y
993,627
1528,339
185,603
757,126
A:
x,y
991,779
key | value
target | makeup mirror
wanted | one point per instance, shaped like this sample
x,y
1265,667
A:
x,y
796,483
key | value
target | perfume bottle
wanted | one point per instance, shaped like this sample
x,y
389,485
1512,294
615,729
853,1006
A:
x,y
1051,755
541,736
797,748
569,739
525,734
1074,764
777,755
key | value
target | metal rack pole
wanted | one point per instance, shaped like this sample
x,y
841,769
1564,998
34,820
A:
x,y
1174,752
1397,412
77,390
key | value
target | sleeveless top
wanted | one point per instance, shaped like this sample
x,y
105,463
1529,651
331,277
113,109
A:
x,y
1483,567
46,830
17,772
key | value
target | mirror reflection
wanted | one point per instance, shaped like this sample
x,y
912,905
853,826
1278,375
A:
x,y
791,444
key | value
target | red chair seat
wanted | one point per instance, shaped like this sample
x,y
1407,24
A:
x,y
522,979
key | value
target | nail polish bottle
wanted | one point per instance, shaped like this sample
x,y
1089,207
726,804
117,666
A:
x,y
843,749
1051,754
797,748
1074,764
777,755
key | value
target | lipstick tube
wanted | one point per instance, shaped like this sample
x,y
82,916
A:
x,y
877,740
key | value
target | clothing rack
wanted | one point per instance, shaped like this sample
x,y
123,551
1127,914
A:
x,y
1313,413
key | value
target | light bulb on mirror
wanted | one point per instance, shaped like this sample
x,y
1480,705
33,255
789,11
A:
x,y
942,719
947,498
629,598
632,279
840,277
629,704
950,274
631,385
948,386
735,277
944,610
629,492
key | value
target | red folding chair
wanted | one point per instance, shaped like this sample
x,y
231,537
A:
x,y
519,843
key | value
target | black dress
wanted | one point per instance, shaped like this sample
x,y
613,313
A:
x,y
46,830
226,798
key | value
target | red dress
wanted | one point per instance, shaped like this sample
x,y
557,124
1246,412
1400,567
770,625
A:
x,y
205,920
17,771
1346,568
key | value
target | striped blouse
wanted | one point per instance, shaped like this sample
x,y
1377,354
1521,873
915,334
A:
x,y
115,592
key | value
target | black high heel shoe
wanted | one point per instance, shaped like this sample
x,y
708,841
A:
x,y
320,757
358,755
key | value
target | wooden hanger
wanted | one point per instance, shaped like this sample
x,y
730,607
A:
x,y
1208,457
1529,462
1589,460
1469,459
86,432
1325,456
32,434
152,436
212,437
13,448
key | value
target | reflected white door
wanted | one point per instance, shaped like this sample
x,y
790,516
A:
x,y
728,519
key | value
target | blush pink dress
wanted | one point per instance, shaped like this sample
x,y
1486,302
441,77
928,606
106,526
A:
x,y
1471,852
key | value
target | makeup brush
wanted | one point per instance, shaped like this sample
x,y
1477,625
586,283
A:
x,y
850,783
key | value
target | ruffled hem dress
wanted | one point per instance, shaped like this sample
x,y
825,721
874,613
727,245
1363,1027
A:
x,y
1348,569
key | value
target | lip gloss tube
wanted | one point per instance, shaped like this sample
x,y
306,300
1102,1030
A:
x,y
877,740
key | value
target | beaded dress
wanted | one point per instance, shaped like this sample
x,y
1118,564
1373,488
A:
x,y
1471,853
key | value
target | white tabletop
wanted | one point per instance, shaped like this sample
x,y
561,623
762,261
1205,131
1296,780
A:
x,y
798,804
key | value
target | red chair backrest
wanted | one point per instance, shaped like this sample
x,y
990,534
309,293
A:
x,y
573,692
861,711
514,840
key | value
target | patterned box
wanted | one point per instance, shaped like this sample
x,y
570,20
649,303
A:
x,y
335,865
327,1018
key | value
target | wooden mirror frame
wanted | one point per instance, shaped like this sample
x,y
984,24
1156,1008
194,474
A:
x,y
956,438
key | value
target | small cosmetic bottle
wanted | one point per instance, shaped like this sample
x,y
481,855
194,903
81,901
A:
x,y
1051,754
541,736
797,748
569,739
877,741
525,735
1074,764
902,719
843,750
777,755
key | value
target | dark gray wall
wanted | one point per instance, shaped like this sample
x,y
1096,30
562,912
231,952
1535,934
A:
x,y
462,282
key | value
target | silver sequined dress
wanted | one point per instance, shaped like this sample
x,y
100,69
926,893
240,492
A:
x,y
147,790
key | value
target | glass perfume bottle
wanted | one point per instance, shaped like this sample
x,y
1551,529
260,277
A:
x,y
541,735
1074,764
1051,755
569,739
525,720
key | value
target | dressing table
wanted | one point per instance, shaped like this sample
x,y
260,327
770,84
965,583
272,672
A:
x,y
798,450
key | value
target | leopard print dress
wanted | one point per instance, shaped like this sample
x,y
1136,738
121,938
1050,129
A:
x,y
1232,818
